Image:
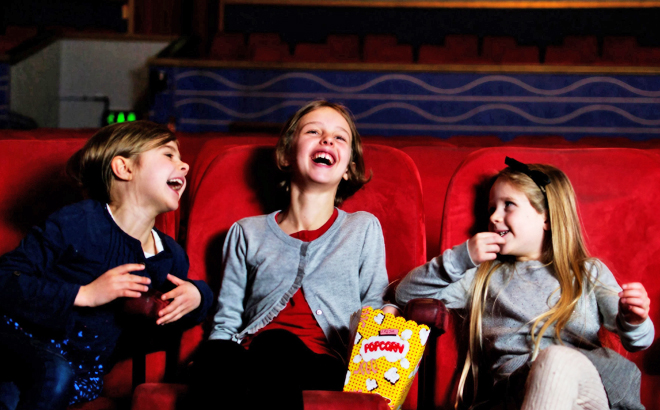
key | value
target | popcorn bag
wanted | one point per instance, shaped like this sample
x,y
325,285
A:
x,y
385,354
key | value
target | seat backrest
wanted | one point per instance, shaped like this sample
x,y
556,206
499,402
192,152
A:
x,y
242,181
618,200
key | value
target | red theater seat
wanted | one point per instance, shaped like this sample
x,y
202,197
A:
x,y
384,49
618,208
312,53
238,180
344,48
228,46
576,50
458,49
505,50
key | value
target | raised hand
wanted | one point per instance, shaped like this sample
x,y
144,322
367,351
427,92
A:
x,y
484,246
115,283
634,303
185,298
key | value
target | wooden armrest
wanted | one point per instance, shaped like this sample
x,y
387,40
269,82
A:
x,y
430,312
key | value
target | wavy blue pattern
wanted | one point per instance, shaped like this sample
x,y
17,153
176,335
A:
x,y
413,80
439,104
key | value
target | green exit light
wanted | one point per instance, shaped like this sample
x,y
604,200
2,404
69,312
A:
x,y
116,116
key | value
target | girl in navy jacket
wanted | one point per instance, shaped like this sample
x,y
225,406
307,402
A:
x,y
61,290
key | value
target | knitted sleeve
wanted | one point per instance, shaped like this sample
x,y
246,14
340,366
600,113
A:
x,y
633,337
373,273
30,287
447,277
228,318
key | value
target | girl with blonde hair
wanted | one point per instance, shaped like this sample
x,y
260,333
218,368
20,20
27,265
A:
x,y
536,301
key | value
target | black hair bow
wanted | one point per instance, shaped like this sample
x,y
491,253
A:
x,y
539,178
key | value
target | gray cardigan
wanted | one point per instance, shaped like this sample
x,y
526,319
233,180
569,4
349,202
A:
x,y
340,272
516,296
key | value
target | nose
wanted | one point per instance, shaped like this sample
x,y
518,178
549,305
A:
x,y
327,140
185,167
496,216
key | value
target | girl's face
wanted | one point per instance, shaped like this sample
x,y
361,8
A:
x,y
513,217
160,177
322,148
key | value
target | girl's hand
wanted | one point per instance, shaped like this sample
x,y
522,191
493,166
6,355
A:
x,y
634,303
113,284
185,298
484,246
391,309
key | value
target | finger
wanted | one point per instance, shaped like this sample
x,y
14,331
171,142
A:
x,y
137,279
177,281
127,268
173,294
130,294
169,308
492,249
135,286
636,316
632,285
171,317
640,302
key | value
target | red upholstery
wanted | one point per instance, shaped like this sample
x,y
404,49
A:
x,y
230,190
617,197
463,49
384,49
312,53
228,46
436,166
344,48
505,50
575,50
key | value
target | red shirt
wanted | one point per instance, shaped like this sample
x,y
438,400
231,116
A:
x,y
297,317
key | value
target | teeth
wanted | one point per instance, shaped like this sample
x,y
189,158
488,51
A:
x,y
504,233
323,157
175,183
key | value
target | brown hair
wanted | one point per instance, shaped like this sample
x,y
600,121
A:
x,y
563,248
91,165
356,170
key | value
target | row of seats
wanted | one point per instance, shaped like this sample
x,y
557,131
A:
x,y
457,49
422,191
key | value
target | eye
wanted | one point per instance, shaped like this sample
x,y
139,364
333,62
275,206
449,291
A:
x,y
170,155
341,138
508,204
312,131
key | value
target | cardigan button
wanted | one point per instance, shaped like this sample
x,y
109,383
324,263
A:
x,y
319,312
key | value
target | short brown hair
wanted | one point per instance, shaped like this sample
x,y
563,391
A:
x,y
356,170
91,165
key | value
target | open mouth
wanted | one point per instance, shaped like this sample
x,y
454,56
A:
x,y
502,233
176,183
323,158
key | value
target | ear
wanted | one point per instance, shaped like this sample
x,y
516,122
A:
x,y
351,167
122,168
546,221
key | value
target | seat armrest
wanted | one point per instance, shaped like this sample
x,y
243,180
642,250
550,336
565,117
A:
x,y
430,312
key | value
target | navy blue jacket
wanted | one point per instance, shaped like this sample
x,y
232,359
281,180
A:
x,y
40,279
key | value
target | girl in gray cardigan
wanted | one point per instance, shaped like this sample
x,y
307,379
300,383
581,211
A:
x,y
537,300
292,279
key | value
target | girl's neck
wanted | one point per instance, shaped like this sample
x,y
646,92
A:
x,y
135,223
307,211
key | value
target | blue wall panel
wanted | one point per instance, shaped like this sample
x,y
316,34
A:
x,y
439,104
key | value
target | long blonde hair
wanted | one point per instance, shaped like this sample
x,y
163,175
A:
x,y
563,248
